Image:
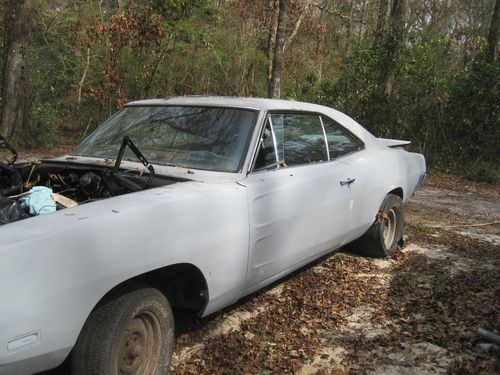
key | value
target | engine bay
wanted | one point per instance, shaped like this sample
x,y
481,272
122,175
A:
x,y
32,188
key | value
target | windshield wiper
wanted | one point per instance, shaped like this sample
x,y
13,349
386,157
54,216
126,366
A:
x,y
129,184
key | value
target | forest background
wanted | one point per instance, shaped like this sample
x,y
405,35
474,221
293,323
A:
x,y
423,70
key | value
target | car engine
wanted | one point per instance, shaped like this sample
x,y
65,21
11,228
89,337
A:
x,y
65,184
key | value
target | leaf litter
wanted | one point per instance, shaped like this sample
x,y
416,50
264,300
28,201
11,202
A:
x,y
414,314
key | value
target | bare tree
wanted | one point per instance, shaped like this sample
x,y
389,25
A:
x,y
493,32
274,90
393,43
297,25
381,21
271,36
15,101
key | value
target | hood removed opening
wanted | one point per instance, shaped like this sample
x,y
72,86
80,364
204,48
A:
x,y
34,188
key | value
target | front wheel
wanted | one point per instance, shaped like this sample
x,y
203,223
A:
x,y
131,334
382,239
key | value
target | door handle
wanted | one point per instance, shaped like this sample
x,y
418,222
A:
x,y
347,182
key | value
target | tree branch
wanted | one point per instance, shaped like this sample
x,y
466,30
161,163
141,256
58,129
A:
x,y
337,13
84,75
297,25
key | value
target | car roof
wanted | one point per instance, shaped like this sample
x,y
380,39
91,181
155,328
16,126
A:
x,y
261,104
228,101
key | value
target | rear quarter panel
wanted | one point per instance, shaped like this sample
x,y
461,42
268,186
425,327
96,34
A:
x,y
379,170
405,170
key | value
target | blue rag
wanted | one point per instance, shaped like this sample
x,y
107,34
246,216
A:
x,y
39,200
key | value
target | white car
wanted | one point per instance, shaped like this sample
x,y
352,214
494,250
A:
x,y
182,203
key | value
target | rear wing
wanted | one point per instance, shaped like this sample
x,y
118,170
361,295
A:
x,y
393,142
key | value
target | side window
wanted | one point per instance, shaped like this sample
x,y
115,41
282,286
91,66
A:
x,y
266,156
299,138
340,142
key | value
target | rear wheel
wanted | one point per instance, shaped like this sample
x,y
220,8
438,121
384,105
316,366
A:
x,y
131,334
382,239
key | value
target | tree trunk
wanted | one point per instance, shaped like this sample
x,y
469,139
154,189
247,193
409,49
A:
x,y
14,117
392,45
271,37
493,32
381,21
320,42
348,29
275,82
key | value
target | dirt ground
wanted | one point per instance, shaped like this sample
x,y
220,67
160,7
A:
x,y
415,314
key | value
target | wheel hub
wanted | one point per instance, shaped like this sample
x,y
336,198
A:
x,y
389,228
139,352
135,346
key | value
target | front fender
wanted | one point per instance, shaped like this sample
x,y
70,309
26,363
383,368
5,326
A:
x,y
55,268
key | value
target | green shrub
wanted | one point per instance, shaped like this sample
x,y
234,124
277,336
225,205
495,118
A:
x,y
484,172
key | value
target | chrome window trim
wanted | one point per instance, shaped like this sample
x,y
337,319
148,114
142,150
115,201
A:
x,y
275,144
351,134
325,138
260,127
281,166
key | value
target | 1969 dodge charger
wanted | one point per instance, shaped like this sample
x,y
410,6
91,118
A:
x,y
182,203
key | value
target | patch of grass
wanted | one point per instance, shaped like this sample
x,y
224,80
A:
x,y
441,281
425,326
437,281
423,228
263,336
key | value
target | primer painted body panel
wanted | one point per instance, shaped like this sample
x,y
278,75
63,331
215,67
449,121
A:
x,y
241,230
60,265
294,214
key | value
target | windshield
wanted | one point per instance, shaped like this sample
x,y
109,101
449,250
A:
x,y
193,137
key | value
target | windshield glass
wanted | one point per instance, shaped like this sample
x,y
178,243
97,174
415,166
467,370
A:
x,y
193,137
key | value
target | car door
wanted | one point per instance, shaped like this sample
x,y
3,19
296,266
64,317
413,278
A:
x,y
366,185
300,200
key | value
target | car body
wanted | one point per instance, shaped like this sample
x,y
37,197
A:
x,y
219,234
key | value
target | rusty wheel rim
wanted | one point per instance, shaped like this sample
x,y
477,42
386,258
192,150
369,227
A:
x,y
140,347
389,229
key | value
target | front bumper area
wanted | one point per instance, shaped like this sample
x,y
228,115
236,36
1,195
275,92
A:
x,y
31,365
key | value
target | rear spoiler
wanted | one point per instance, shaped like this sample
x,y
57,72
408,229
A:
x,y
393,142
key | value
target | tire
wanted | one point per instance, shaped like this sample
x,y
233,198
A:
x,y
131,334
382,239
